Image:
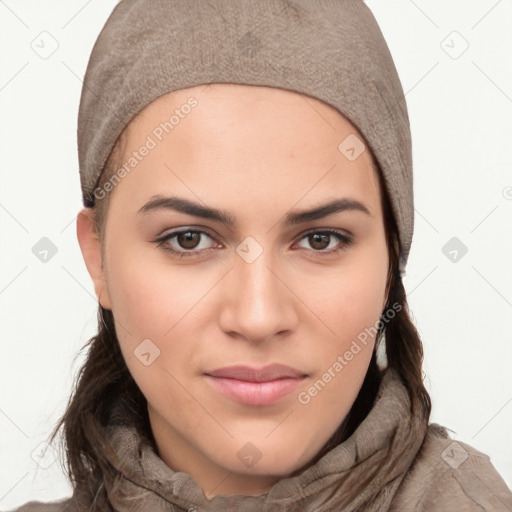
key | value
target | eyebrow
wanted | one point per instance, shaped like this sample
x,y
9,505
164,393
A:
x,y
159,202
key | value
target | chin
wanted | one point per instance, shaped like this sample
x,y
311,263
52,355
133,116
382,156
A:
x,y
259,457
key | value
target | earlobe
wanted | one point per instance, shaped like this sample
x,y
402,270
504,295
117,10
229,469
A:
x,y
91,251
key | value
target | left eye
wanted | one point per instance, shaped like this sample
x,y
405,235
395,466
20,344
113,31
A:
x,y
188,242
317,239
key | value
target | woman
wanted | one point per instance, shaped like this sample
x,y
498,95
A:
x,y
248,214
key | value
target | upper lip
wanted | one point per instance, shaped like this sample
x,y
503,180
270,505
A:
x,y
267,373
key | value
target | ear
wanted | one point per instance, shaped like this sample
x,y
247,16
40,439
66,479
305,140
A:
x,y
91,250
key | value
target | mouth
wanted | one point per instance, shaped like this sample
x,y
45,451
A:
x,y
252,386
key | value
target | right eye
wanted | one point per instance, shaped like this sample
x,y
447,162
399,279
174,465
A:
x,y
186,242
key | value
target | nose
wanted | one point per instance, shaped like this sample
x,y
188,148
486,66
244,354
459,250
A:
x,y
258,303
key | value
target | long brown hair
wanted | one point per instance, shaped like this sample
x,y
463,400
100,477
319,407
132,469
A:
x,y
104,378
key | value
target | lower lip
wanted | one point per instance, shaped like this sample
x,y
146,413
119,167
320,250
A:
x,y
255,393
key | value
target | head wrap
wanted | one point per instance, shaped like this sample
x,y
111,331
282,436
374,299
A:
x,y
332,50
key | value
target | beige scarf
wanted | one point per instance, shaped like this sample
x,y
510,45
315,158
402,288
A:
x,y
141,481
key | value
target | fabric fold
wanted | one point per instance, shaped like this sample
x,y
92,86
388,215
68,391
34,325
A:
x,y
142,481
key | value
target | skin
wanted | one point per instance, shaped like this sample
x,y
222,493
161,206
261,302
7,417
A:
x,y
257,153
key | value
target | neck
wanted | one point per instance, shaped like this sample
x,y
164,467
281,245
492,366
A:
x,y
213,479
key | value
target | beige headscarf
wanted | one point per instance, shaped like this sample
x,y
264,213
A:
x,y
329,49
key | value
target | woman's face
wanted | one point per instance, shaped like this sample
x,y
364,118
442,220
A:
x,y
255,280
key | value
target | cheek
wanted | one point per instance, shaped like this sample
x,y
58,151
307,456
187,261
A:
x,y
150,297
350,305
152,302
351,309
352,315
353,298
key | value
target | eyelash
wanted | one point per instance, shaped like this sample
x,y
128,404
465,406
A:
x,y
345,242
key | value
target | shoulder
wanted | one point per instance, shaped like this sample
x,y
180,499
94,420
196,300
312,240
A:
x,y
450,475
63,505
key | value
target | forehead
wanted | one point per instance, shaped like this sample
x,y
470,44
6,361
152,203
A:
x,y
241,138
234,101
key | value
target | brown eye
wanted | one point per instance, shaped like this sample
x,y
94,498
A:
x,y
186,243
319,241
188,239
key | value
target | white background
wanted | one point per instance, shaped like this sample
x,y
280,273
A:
x,y
460,110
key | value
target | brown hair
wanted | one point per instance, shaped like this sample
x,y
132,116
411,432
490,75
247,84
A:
x,y
105,380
